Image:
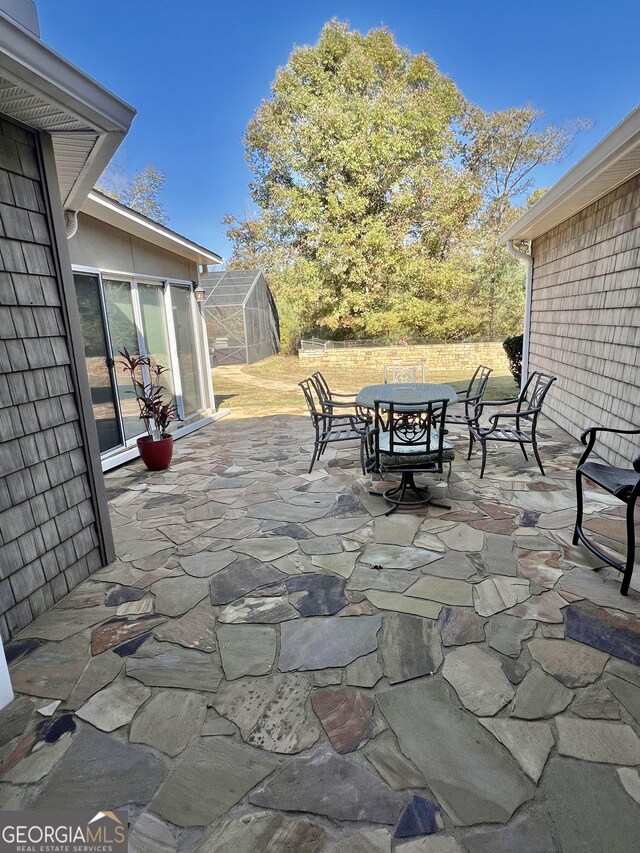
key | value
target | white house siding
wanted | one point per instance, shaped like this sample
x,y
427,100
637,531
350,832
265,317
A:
x,y
100,245
585,319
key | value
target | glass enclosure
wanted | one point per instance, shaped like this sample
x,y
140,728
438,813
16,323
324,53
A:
x,y
150,318
241,317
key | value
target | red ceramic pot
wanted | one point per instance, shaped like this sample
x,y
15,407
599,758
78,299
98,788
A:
x,y
156,455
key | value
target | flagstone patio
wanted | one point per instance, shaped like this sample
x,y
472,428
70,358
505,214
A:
x,y
272,664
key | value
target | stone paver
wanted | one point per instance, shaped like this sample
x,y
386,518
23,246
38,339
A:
x,y
263,831
169,721
272,715
269,639
353,792
346,716
213,774
316,642
478,679
114,706
468,771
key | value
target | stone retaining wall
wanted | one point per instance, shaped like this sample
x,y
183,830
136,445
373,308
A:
x,y
437,357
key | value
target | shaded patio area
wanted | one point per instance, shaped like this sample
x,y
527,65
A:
x,y
271,664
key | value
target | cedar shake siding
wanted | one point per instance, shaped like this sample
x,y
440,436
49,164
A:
x,y
49,537
585,319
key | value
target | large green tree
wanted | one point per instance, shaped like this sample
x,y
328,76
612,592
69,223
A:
x,y
380,193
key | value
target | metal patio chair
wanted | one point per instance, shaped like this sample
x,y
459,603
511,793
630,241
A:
x,y
528,407
332,400
622,483
330,428
411,443
398,372
470,398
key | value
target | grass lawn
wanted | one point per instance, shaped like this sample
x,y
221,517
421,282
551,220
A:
x,y
286,368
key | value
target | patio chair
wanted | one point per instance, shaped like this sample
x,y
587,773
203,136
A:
x,y
412,443
528,407
403,373
330,428
622,483
331,400
471,397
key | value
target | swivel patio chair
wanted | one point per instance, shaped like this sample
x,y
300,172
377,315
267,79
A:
x,y
528,407
412,443
330,428
470,398
404,373
622,483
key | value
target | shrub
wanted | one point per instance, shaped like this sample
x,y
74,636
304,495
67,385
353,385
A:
x,y
513,348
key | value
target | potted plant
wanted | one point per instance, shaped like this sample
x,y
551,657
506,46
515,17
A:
x,y
157,410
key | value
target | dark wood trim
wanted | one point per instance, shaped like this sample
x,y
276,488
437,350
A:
x,y
60,252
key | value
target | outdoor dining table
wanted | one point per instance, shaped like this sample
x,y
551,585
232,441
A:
x,y
407,392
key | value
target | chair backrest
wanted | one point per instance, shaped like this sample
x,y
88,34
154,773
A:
x,y
308,389
413,428
478,383
535,390
398,372
322,386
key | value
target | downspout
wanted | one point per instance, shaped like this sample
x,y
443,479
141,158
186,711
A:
x,y
71,223
528,259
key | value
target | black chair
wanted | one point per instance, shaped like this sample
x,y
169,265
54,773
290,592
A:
x,y
528,407
330,428
471,397
623,483
329,402
411,442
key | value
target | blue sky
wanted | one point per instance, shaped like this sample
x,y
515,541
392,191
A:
x,y
197,70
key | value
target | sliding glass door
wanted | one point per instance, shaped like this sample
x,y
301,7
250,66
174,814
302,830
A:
x,y
148,318
98,360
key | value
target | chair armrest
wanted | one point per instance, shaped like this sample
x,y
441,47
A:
x,y
350,396
521,414
484,404
500,402
589,436
586,435
355,422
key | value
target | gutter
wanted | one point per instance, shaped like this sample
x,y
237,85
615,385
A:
x,y
528,260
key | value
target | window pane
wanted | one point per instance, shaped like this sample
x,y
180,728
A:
x,y
154,328
122,328
96,359
186,346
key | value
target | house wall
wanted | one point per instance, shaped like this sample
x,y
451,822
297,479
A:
x,y
585,319
102,246
53,527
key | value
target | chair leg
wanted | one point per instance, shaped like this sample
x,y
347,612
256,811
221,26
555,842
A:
x,y
524,451
484,458
315,456
631,548
537,455
471,440
579,508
